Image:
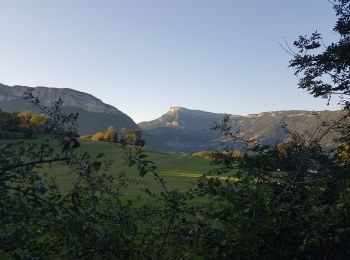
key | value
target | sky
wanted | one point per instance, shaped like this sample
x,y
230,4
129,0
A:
x,y
143,56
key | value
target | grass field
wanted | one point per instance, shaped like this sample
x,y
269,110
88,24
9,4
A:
x,y
180,172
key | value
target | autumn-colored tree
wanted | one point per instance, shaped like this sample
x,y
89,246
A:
x,y
343,154
25,116
25,119
110,134
237,154
86,137
99,136
37,122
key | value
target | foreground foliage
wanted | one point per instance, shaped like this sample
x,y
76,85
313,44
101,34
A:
x,y
23,124
288,201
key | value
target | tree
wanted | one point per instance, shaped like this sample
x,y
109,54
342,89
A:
x,y
99,136
343,154
9,121
37,123
259,213
324,71
123,131
134,137
110,135
91,220
25,121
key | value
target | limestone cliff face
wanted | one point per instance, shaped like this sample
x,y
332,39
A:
x,y
94,115
188,130
47,96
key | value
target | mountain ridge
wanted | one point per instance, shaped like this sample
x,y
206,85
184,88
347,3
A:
x,y
48,95
178,130
189,130
94,114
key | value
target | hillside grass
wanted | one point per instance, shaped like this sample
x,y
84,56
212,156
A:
x,y
180,172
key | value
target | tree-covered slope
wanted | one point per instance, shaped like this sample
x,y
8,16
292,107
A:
x,y
189,130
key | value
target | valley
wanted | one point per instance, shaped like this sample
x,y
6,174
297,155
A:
x,y
180,130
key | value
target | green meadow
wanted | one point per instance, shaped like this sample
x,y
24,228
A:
x,y
179,171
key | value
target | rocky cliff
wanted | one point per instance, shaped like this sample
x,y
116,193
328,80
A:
x,y
71,97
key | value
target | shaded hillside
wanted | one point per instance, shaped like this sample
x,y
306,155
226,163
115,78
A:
x,y
94,115
184,130
183,118
189,130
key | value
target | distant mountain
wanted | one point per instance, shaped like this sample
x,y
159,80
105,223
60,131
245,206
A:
x,y
178,130
94,115
183,118
186,130
71,97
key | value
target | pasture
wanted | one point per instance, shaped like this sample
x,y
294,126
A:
x,y
180,171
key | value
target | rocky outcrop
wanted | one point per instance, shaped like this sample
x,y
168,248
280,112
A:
x,y
94,115
71,97
188,130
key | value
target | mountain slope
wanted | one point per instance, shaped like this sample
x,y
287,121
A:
x,y
71,97
189,130
184,130
94,115
180,117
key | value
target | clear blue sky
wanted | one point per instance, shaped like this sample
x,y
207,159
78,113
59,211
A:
x,y
143,56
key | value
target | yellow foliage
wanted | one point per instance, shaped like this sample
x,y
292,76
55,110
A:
x,y
31,121
25,116
99,136
237,154
38,120
107,136
110,134
211,155
343,155
203,154
25,119
85,137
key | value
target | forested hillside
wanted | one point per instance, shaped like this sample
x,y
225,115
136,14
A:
x,y
186,130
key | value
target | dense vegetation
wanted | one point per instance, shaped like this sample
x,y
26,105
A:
x,y
131,137
286,201
30,125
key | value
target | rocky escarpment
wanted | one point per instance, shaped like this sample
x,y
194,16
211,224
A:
x,y
188,130
94,115
71,97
